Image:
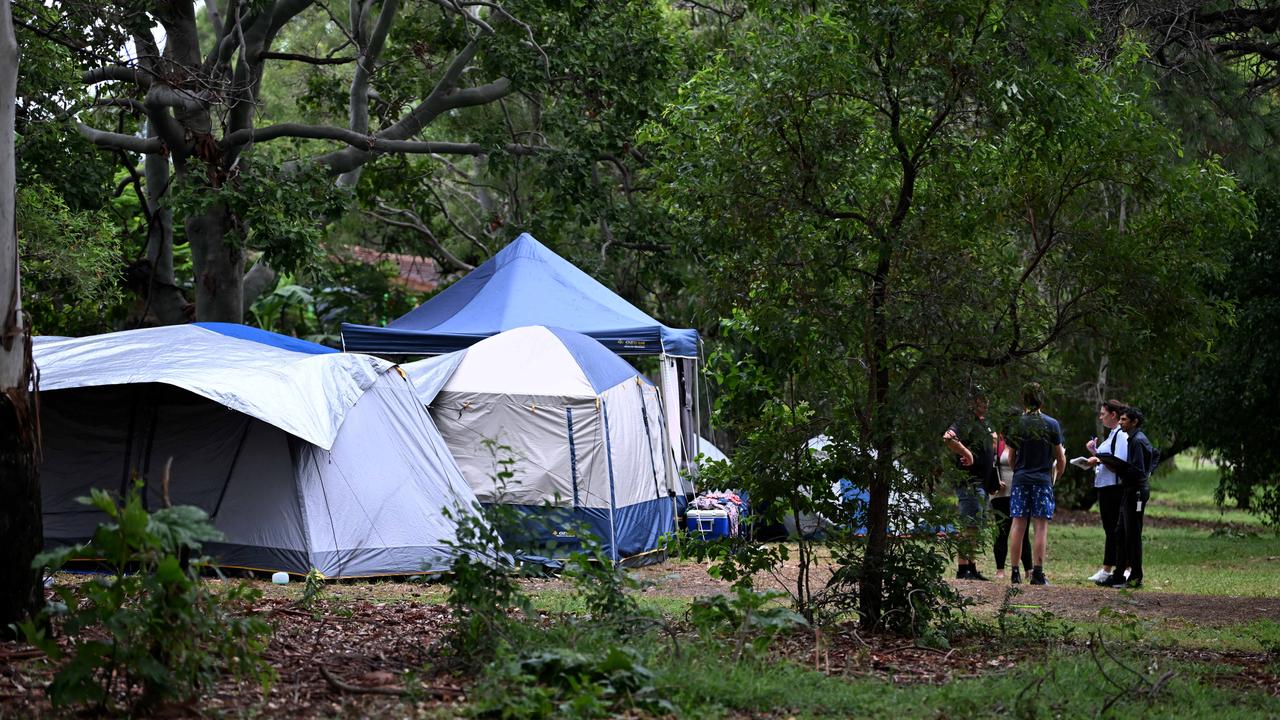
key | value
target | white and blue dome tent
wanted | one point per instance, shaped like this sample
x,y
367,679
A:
x,y
527,284
302,457
908,508
584,428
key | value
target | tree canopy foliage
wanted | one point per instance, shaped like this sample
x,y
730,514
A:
x,y
508,107
897,200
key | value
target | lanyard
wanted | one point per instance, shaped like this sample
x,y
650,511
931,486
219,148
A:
x,y
1111,438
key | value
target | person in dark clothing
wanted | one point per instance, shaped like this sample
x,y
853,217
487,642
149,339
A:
x,y
970,439
1135,477
1036,447
1000,512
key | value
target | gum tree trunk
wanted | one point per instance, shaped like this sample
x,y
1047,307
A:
x,y
218,259
163,297
21,530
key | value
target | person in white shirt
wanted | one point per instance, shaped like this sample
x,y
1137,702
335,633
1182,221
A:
x,y
1116,443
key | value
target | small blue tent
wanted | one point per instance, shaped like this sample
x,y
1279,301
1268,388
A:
x,y
524,284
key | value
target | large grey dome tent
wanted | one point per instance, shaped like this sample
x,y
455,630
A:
x,y
302,458
584,428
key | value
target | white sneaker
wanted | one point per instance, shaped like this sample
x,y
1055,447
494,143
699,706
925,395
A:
x,y
1100,575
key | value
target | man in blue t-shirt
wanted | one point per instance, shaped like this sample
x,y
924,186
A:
x,y
1038,458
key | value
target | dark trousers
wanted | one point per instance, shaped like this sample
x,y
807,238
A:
x,y
1000,509
1133,508
1109,508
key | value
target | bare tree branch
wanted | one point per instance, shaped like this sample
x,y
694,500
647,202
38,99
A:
x,y
367,143
470,17
120,141
211,10
366,60
122,73
270,55
413,222
442,98
134,105
444,210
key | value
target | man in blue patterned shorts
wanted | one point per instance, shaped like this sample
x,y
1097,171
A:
x,y
1038,459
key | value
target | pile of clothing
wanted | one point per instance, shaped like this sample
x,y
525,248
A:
x,y
732,503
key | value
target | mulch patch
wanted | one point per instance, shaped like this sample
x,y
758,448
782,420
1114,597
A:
x,y
846,651
1244,671
341,659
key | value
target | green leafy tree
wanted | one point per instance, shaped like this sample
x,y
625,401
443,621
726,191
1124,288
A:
x,y
1217,69
383,80
903,197
71,261
1220,400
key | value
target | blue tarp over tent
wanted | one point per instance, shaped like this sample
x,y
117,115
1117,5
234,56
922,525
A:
x,y
524,284
266,337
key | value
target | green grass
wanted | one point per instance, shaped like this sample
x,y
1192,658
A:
x,y
1182,559
1258,636
1229,553
1187,493
570,602
1064,684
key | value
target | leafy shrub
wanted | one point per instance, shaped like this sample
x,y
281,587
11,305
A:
x,y
736,560
483,587
566,683
312,589
151,625
1032,624
601,584
753,619
916,596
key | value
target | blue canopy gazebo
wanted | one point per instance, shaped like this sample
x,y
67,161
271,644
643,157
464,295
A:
x,y
525,284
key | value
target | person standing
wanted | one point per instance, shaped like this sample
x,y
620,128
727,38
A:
x,y
970,439
1135,481
1000,512
1036,448
1107,485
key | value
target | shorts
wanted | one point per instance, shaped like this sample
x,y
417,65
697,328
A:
x,y
971,501
1031,501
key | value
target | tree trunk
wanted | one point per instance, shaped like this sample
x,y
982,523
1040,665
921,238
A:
x,y
164,299
871,580
218,257
21,531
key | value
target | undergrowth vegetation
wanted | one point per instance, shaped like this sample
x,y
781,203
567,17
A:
x,y
151,630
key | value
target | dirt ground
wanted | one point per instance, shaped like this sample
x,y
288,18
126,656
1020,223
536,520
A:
x,y
1072,603
370,648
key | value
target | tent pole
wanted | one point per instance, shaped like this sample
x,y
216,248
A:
x,y
613,500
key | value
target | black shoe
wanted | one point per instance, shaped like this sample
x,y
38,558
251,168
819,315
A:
x,y
1015,577
1129,584
975,575
1038,578
962,573
1115,580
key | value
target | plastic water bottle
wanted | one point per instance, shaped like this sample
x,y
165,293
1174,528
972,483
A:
x,y
280,578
